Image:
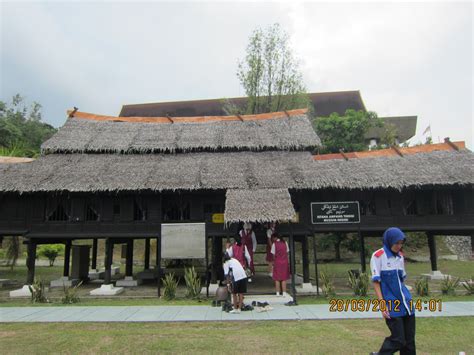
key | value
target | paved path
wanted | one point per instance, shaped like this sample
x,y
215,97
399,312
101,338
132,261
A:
x,y
200,313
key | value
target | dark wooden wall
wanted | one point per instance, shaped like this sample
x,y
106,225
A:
x,y
26,214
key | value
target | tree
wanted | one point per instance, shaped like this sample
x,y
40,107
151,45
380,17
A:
x,y
21,128
345,132
50,251
270,75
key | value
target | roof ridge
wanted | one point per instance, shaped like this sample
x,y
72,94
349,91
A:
x,y
394,151
193,119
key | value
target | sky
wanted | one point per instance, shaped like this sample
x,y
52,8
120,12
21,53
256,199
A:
x,y
405,58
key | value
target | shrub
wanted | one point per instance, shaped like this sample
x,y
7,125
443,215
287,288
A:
x,y
50,251
448,285
70,294
170,284
38,294
193,283
327,284
469,286
422,287
359,283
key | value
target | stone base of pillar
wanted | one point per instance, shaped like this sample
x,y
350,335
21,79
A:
x,y
128,281
22,292
212,290
64,281
96,274
107,290
436,275
307,288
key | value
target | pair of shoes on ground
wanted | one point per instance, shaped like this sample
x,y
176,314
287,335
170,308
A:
x,y
235,311
284,294
264,309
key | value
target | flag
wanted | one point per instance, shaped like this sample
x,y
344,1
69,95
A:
x,y
428,129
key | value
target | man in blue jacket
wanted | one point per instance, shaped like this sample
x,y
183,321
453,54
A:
x,y
388,275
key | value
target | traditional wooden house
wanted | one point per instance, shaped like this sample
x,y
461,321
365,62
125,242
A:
x,y
124,178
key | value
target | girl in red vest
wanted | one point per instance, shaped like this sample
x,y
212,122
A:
x,y
239,251
250,241
271,236
281,267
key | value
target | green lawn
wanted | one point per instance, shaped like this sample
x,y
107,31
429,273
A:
x,y
434,336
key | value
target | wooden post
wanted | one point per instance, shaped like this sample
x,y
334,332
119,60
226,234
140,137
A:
x,y
30,262
305,259
158,264
362,251
315,262
94,254
109,248
433,256
292,265
67,257
147,253
129,259
216,254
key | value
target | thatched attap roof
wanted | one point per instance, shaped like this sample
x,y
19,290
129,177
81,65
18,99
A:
x,y
235,170
158,172
434,168
261,205
87,133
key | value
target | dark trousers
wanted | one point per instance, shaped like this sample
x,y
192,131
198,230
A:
x,y
402,336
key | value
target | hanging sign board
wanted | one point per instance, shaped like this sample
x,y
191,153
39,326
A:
x,y
335,212
218,218
183,241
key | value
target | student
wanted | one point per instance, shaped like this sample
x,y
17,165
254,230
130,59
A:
x,y
235,274
240,252
271,233
250,241
281,267
388,275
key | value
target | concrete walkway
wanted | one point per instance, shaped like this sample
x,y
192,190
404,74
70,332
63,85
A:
x,y
201,313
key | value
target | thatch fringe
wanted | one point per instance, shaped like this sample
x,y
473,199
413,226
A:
x,y
260,205
235,170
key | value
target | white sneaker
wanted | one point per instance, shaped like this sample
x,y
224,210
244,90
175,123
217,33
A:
x,y
235,311
278,294
249,280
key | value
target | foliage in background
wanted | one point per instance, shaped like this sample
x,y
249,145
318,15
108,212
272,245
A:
x,y
449,285
415,241
270,75
50,251
193,283
38,293
422,287
21,128
327,284
170,284
70,294
13,250
345,132
359,283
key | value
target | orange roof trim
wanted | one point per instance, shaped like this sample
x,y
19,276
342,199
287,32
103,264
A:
x,y
14,160
394,151
201,119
